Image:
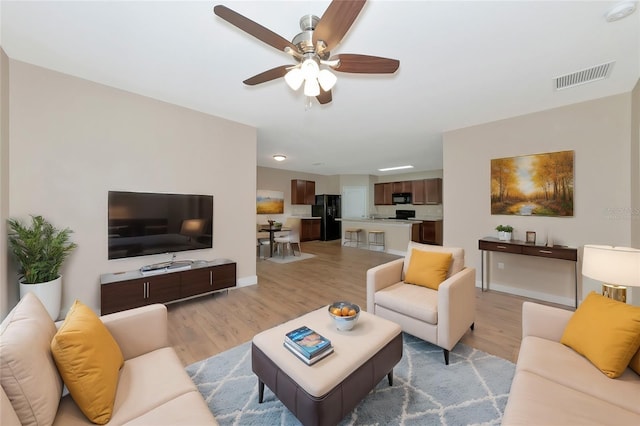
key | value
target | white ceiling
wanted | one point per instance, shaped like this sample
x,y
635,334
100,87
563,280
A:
x,y
461,63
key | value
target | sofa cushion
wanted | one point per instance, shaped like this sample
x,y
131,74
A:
x,y
457,263
414,301
563,365
634,364
427,268
536,400
605,331
27,371
89,360
186,409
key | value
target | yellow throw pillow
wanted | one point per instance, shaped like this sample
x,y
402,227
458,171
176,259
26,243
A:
x,y
606,332
89,360
427,268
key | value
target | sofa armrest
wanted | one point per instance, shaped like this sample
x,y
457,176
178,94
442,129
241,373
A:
x,y
380,277
456,307
140,330
544,321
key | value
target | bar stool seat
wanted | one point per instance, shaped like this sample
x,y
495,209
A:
x,y
352,235
375,239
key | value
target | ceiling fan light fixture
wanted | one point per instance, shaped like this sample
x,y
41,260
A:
x,y
294,78
310,69
311,88
327,80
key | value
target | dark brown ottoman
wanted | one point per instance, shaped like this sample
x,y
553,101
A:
x,y
324,393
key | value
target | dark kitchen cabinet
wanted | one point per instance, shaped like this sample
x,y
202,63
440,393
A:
x,y
432,232
303,191
433,191
403,186
418,194
382,194
310,229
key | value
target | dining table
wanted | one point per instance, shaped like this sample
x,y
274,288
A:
x,y
272,230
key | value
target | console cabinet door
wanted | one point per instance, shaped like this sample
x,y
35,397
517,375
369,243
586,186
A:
x,y
163,288
122,295
195,282
223,276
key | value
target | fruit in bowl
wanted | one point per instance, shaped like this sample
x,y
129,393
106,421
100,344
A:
x,y
345,315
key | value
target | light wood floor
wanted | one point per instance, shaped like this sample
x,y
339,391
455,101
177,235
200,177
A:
x,y
202,327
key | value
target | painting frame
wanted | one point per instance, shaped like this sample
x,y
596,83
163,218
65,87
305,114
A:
x,y
269,202
534,185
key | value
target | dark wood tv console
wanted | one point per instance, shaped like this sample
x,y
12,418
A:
x,y
125,290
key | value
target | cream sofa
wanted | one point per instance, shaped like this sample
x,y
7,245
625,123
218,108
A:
x,y
554,385
440,317
153,386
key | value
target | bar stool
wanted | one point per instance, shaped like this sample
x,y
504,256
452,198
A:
x,y
349,234
376,239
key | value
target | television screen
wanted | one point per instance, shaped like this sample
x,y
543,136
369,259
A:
x,y
142,223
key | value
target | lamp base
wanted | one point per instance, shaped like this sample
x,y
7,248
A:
x,y
615,292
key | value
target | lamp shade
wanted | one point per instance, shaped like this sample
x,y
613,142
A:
x,y
311,87
294,78
612,265
327,80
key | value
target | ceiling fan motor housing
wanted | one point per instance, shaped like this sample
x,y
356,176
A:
x,y
304,40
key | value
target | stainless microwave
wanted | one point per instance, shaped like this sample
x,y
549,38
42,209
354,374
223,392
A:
x,y
401,198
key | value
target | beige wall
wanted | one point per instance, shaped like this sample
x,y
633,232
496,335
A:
x,y
280,180
599,133
7,292
635,169
72,141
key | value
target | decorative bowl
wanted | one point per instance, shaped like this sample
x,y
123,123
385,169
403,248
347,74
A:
x,y
344,323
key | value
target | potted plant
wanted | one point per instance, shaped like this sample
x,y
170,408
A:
x,y
504,232
40,250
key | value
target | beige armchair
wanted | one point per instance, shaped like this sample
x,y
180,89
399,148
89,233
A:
x,y
440,316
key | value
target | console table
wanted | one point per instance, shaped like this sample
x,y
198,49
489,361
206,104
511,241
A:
x,y
529,249
126,290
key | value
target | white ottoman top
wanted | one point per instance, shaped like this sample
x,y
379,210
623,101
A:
x,y
351,348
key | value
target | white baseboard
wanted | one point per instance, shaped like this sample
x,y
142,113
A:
x,y
552,298
247,281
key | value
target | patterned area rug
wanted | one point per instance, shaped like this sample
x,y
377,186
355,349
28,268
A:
x,y
289,259
472,389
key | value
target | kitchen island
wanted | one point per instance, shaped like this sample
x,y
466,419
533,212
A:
x,y
397,233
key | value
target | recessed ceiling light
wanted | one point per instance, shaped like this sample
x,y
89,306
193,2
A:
x,y
621,10
395,168
279,157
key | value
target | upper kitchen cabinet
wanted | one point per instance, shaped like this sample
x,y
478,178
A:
x,y
303,191
404,186
382,194
427,191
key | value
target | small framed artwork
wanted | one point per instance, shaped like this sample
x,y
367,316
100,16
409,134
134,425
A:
x,y
531,237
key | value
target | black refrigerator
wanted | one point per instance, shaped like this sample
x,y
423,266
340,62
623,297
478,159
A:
x,y
327,208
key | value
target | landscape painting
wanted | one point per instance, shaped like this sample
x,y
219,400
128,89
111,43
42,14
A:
x,y
533,185
269,202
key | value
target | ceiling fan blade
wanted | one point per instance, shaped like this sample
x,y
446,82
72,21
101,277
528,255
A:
x,y
258,31
269,75
336,21
324,97
364,64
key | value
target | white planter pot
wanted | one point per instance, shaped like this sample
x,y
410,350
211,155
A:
x,y
504,236
49,293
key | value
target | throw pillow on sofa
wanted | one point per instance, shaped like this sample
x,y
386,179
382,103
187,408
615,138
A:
x,y
606,332
27,372
427,269
89,361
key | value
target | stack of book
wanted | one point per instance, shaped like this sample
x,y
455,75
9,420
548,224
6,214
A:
x,y
307,345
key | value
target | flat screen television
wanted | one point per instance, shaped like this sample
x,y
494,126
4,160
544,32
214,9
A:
x,y
143,223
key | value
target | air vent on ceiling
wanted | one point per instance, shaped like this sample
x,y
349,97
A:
x,y
587,75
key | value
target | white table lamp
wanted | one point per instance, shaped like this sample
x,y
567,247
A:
x,y
617,268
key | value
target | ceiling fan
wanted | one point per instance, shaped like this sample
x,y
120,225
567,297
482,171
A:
x,y
312,49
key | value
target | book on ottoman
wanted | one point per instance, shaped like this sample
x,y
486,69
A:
x,y
308,361
307,342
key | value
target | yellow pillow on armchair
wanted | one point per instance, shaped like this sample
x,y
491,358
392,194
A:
x,y
427,268
89,361
606,332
